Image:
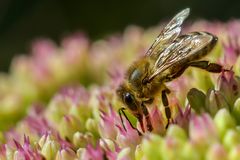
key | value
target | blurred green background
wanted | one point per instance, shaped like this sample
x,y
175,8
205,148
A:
x,y
22,21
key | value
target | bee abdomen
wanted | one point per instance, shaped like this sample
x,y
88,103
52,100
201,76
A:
x,y
213,40
199,50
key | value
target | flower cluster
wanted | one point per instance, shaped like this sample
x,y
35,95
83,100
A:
x,y
61,103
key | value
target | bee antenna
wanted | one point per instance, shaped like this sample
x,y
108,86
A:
x,y
120,112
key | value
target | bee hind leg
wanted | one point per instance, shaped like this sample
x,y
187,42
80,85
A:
x,y
166,105
210,67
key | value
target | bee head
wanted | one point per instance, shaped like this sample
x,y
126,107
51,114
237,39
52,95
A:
x,y
128,98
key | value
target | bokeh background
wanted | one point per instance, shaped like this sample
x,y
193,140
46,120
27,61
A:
x,y
22,21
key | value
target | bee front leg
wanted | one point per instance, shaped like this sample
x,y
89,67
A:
x,y
210,67
140,120
166,105
147,117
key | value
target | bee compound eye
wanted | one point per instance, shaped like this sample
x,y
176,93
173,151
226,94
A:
x,y
129,100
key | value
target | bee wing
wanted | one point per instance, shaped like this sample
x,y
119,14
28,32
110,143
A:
x,y
169,33
181,49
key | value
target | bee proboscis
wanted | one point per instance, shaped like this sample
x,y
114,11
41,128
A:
x,y
167,58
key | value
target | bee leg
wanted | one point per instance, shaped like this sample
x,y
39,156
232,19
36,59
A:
x,y
120,112
147,117
140,120
210,67
166,105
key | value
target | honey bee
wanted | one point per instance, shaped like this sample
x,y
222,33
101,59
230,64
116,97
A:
x,y
167,58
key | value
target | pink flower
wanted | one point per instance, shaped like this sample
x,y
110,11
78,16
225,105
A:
x,y
101,152
229,85
91,153
42,49
231,50
157,121
183,117
36,122
70,100
116,77
12,134
74,47
25,151
107,126
127,137
202,130
3,151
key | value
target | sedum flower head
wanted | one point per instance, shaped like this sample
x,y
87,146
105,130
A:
x,y
60,102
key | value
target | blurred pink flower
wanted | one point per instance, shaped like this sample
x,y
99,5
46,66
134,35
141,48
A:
x,y
42,49
107,126
76,95
36,122
202,130
229,85
25,151
231,50
74,47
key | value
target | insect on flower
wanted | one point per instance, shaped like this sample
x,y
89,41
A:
x,y
167,58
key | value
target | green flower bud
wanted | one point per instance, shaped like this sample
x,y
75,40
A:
x,y
176,132
190,152
94,103
151,147
82,111
66,154
224,121
214,101
231,139
80,139
124,153
197,100
9,153
216,152
69,125
45,138
49,149
92,126
234,154
80,152
12,109
107,144
171,148
139,154
236,110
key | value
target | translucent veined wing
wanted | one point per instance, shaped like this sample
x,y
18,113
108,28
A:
x,y
169,33
184,47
